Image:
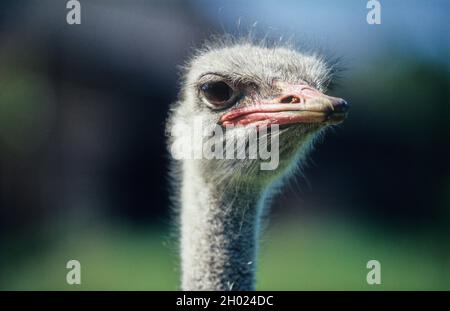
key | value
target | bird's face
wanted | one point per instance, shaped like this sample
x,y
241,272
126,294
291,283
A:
x,y
247,87
283,104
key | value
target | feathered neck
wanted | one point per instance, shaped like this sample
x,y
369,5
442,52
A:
x,y
219,233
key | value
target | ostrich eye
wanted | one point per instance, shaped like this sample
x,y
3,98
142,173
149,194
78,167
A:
x,y
217,93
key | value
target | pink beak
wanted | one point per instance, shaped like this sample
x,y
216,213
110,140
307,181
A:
x,y
299,103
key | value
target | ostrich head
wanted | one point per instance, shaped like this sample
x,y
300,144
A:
x,y
243,86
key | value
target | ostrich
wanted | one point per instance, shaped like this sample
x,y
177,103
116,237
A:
x,y
221,202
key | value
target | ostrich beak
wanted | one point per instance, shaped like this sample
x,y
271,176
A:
x,y
298,104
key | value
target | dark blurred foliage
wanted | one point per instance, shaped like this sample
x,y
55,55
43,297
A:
x,y
83,108
95,119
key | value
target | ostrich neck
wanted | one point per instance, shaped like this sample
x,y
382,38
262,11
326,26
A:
x,y
219,234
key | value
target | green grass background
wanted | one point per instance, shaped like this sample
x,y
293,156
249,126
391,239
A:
x,y
293,256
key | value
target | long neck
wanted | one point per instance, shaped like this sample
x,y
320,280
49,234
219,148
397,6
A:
x,y
219,234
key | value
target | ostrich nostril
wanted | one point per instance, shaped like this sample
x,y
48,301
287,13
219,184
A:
x,y
340,105
290,99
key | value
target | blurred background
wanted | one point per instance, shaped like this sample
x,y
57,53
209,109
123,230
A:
x,y
83,162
